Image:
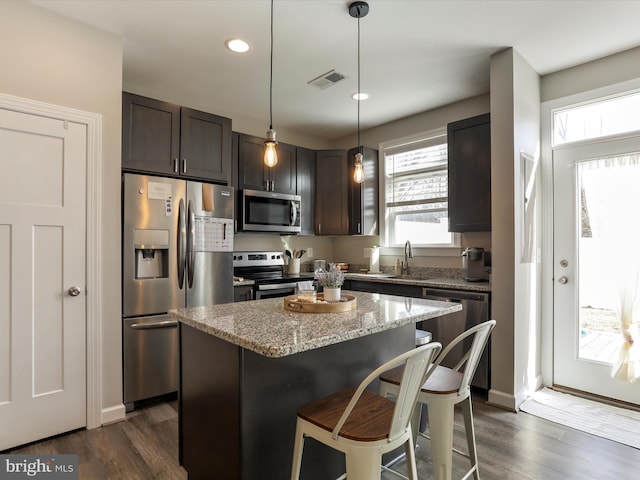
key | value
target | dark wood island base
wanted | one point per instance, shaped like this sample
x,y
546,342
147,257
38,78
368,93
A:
x,y
238,408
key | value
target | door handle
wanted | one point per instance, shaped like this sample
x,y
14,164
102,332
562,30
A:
x,y
74,291
563,280
294,213
182,247
191,238
162,324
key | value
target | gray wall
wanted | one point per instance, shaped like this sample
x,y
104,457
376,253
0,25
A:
x,y
52,59
515,292
618,68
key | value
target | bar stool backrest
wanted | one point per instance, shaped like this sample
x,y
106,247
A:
x,y
418,365
471,359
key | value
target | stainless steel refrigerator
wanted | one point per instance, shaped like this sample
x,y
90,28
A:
x,y
177,251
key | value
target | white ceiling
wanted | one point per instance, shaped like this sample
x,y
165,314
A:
x,y
415,55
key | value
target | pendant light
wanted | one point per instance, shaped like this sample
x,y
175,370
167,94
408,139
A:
x,y
270,154
358,10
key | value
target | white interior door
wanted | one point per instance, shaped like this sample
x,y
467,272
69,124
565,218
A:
x,y
42,277
596,234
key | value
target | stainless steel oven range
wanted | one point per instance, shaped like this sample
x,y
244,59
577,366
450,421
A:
x,y
266,269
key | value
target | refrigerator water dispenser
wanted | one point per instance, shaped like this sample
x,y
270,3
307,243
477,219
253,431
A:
x,y
151,253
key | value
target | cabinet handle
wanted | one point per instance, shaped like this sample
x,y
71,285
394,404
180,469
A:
x,y
359,228
266,185
184,165
319,228
175,165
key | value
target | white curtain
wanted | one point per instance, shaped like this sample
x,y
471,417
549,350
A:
x,y
611,189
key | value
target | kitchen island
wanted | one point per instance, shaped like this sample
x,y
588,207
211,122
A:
x,y
246,368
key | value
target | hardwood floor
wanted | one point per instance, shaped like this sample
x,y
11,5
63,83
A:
x,y
510,446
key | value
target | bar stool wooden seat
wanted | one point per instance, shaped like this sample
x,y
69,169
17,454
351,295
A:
x,y
441,392
364,425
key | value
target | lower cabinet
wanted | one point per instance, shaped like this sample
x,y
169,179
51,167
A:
x,y
381,287
360,286
242,293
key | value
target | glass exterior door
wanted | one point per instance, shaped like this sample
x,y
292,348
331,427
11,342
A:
x,y
597,268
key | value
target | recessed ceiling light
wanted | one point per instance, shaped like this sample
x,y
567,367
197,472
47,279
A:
x,y
237,45
360,96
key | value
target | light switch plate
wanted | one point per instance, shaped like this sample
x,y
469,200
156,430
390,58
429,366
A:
x,y
309,252
367,253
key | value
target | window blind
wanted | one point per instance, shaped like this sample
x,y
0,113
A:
x,y
417,176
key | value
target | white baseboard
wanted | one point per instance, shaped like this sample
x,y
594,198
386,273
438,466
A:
x,y
526,391
113,414
513,401
502,400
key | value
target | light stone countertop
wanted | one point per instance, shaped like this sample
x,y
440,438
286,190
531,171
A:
x,y
449,283
265,327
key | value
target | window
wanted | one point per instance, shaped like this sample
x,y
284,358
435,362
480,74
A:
x,y
415,191
597,119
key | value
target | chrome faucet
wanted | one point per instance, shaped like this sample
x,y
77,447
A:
x,y
408,253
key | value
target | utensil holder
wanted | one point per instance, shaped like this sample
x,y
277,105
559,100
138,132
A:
x,y
294,266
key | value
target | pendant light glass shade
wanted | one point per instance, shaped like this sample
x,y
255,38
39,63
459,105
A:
x,y
358,172
270,153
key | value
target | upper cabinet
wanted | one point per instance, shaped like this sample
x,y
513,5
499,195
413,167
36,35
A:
x,y
469,146
363,197
332,196
159,137
306,188
253,174
344,207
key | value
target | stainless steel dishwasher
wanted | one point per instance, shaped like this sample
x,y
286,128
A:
x,y
475,310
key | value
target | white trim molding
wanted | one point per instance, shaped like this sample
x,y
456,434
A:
x,y
93,121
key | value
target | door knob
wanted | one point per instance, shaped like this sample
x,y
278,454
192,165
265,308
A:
x,y
563,280
74,291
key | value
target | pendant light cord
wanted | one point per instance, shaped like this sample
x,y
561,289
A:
x,y
358,100
271,75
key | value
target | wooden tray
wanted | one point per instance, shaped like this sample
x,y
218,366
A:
x,y
346,304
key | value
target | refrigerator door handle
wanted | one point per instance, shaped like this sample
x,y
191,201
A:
x,y
191,235
182,247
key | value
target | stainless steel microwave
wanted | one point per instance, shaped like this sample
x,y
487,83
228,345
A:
x,y
270,212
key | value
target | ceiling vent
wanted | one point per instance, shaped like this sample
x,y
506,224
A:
x,y
327,79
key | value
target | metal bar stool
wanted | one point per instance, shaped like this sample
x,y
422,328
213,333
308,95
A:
x,y
364,425
443,389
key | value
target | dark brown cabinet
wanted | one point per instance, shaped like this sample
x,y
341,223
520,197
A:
x,y
242,293
160,137
414,291
344,207
469,145
306,188
363,197
332,195
253,174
